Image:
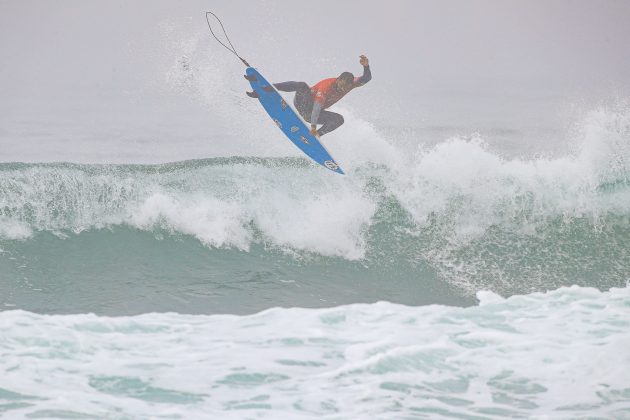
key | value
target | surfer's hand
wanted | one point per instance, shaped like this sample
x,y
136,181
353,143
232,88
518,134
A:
x,y
364,61
314,131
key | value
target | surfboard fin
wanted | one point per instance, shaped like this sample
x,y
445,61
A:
x,y
253,94
250,77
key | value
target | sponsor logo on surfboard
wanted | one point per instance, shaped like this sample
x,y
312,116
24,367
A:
x,y
331,165
278,123
304,140
283,104
294,129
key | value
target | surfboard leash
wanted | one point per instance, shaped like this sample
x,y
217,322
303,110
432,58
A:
x,y
232,50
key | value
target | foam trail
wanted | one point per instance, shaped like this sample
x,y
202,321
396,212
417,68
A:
x,y
558,353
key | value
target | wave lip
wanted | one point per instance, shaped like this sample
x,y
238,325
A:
x,y
221,202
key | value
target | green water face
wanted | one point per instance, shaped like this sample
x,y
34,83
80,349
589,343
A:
x,y
126,272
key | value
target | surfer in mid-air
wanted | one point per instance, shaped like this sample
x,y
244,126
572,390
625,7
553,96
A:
x,y
312,102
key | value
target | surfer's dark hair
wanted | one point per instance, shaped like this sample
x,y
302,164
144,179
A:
x,y
347,76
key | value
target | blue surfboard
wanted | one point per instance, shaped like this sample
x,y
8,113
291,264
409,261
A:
x,y
289,122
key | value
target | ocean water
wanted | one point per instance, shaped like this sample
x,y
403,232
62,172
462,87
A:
x,y
561,354
243,234
166,253
448,282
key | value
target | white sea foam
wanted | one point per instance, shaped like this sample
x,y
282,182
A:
x,y
216,223
560,354
12,229
461,183
464,174
221,205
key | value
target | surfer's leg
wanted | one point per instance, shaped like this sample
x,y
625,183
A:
x,y
299,87
330,121
303,101
291,86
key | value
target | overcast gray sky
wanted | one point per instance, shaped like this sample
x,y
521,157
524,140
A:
x,y
442,42
426,56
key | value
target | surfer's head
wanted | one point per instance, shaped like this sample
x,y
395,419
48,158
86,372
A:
x,y
344,81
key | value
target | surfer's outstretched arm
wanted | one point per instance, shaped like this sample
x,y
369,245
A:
x,y
367,74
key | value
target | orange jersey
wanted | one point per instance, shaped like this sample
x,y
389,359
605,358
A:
x,y
325,94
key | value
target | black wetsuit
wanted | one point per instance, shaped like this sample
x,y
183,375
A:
x,y
311,102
